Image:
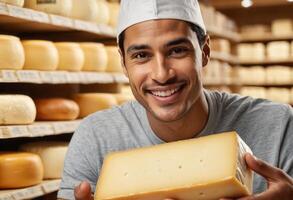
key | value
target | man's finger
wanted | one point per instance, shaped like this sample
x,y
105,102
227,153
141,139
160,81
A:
x,y
269,172
83,191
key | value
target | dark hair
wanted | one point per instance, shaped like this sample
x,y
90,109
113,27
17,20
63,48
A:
x,y
198,31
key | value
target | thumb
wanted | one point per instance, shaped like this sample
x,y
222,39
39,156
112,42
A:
x,y
83,191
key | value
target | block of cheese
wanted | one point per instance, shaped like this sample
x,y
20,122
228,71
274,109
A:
x,y
123,98
52,155
58,7
282,27
253,30
40,55
12,53
14,2
281,95
84,10
244,51
20,169
56,109
221,45
71,57
255,92
279,75
16,109
259,51
205,168
95,56
278,50
92,102
103,16
253,75
114,61
114,13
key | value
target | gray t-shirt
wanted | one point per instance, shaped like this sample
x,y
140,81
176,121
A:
x,y
265,126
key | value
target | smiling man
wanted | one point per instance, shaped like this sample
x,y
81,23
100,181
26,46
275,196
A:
x,y
164,46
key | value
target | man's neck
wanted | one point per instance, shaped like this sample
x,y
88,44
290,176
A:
x,y
187,127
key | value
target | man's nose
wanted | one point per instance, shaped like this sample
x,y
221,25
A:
x,y
162,72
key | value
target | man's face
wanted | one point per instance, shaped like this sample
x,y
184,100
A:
x,y
163,62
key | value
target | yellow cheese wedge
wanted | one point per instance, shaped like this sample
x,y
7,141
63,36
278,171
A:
x,y
205,168
58,7
11,52
52,155
40,55
20,170
16,109
92,102
71,57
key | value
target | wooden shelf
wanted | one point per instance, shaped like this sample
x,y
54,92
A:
x,y
30,23
266,38
215,32
224,57
60,77
38,129
46,187
267,62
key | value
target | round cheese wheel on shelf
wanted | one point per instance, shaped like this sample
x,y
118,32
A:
x,y
12,53
40,55
14,2
58,7
52,155
84,10
114,13
92,102
20,170
71,57
103,16
95,55
114,60
56,109
16,109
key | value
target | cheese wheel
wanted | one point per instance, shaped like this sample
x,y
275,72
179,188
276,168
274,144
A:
x,y
205,168
20,170
278,50
58,7
11,52
278,75
95,56
40,55
255,92
103,16
84,10
282,27
71,57
123,98
56,109
114,60
52,155
16,109
281,95
114,13
14,2
257,29
92,102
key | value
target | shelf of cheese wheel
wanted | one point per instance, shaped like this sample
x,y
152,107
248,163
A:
x,y
221,50
66,62
66,16
210,167
18,114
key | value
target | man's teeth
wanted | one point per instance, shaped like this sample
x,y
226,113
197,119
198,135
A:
x,y
165,93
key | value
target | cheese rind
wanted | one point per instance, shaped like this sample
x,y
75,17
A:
x,y
52,155
40,55
16,109
92,102
71,57
12,53
20,170
103,16
84,10
114,60
56,109
205,168
58,7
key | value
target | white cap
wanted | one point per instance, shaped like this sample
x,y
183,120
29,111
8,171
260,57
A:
x,y
136,11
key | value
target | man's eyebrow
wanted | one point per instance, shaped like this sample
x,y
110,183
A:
x,y
136,47
178,41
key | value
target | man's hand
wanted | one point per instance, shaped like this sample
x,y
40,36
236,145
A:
x,y
83,191
280,185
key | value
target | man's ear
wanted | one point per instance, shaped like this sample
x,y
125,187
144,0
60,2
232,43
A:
x,y
206,51
123,62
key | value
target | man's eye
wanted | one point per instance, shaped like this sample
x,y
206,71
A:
x,y
178,51
140,55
